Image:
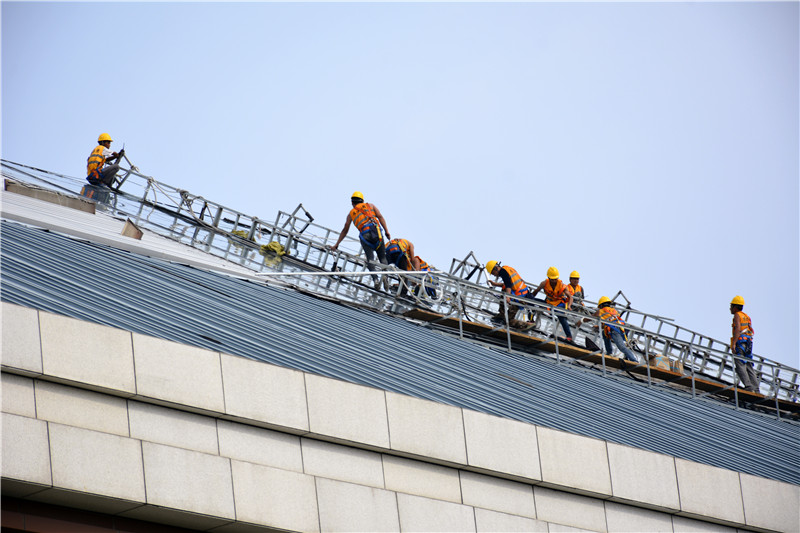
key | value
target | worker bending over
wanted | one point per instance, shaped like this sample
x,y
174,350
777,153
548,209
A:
x,y
368,219
613,332
400,253
511,283
96,171
557,295
429,282
742,345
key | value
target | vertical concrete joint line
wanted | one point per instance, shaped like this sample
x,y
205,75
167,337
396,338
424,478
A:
x,y
222,384
677,483
41,343
50,455
233,488
308,403
133,355
741,494
464,430
144,471
610,477
388,419
539,454
316,496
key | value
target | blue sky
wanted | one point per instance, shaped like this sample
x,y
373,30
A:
x,y
653,147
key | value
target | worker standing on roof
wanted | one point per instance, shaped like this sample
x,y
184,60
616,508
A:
x,y
96,171
577,291
613,332
742,345
557,295
368,220
511,283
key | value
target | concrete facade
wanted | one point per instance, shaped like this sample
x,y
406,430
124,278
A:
x,y
114,426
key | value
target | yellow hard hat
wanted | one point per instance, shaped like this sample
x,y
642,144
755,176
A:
x,y
575,274
552,273
104,137
357,195
737,300
603,299
490,266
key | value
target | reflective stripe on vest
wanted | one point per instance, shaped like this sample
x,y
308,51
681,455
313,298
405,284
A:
x,y
399,247
555,295
746,326
518,287
611,315
96,160
577,292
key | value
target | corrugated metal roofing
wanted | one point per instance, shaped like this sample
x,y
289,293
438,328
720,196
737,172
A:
x,y
95,282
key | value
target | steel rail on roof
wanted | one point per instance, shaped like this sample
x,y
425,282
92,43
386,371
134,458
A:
x,y
238,237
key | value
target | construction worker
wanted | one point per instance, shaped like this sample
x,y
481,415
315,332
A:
x,y
577,291
368,220
400,253
430,283
613,332
742,345
511,283
96,171
557,295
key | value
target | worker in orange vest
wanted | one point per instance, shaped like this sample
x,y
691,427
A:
x,y
96,171
368,219
742,345
613,331
511,283
557,295
577,291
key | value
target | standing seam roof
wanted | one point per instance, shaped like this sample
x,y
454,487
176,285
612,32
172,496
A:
x,y
48,271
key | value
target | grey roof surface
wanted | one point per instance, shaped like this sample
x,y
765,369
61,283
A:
x,y
100,283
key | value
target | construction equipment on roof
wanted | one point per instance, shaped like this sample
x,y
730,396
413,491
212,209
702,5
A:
x,y
700,365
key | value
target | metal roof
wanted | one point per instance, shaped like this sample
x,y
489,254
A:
x,y
104,284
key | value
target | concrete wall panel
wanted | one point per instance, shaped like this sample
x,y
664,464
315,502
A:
x,y
346,411
497,494
26,452
274,497
502,445
88,353
21,347
574,461
643,476
264,392
81,408
173,476
97,463
491,521
421,479
17,393
770,504
423,514
260,446
163,425
325,459
348,507
569,509
426,428
626,519
708,491
178,373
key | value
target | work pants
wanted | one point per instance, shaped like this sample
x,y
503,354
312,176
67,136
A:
x,y
617,338
370,253
562,318
107,176
745,369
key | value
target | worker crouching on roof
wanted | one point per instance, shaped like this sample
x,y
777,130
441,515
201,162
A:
x,y
557,295
511,283
429,282
96,171
742,345
368,219
400,253
613,332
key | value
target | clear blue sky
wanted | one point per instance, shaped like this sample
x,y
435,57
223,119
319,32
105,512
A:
x,y
652,147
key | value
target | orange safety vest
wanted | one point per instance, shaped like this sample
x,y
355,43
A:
x,y
610,314
518,286
423,266
556,295
95,162
577,290
746,331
